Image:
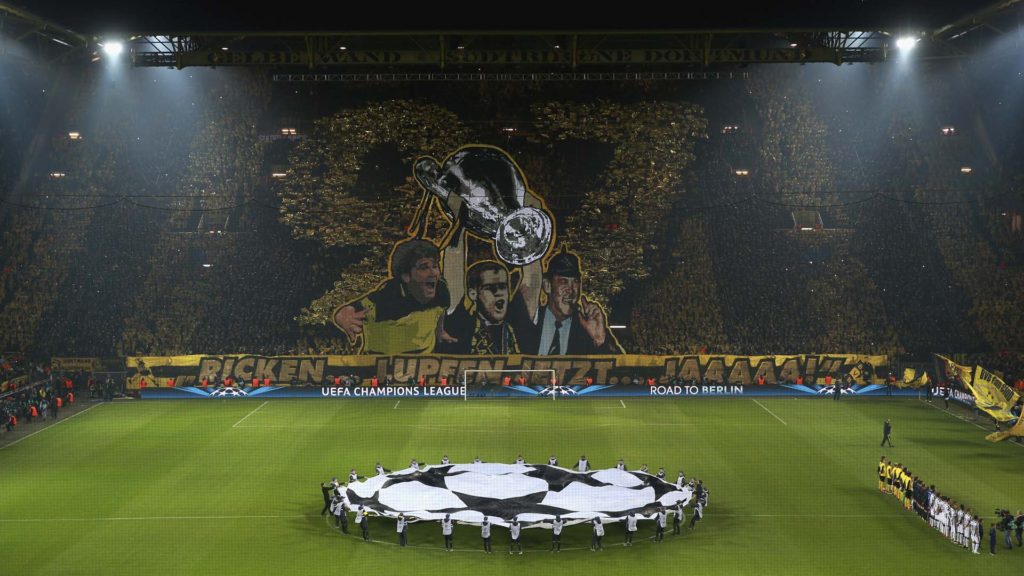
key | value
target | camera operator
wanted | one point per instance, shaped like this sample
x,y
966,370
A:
x,y
1006,524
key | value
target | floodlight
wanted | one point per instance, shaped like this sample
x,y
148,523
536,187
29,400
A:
x,y
113,48
907,42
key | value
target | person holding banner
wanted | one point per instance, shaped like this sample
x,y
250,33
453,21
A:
x,y
485,533
448,529
515,530
630,528
556,533
326,488
362,521
401,527
595,542
583,465
659,533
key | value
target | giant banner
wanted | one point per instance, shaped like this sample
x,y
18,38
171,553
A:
x,y
434,300
573,375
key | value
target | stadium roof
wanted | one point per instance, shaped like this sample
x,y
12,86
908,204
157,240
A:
x,y
514,38
102,16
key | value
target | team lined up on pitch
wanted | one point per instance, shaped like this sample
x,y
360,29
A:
x,y
517,496
952,519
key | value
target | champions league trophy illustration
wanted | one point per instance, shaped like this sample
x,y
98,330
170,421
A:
x,y
492,191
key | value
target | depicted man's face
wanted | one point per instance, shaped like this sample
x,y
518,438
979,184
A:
x,y
422,280
492,296
563,294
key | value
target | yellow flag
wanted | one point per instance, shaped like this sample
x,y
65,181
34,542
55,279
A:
x,y
1015,430
913,378
992,395
958,370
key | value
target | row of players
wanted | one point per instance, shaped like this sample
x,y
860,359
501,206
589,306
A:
x,y
952,519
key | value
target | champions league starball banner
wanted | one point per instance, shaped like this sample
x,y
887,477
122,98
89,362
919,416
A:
x,y
534,494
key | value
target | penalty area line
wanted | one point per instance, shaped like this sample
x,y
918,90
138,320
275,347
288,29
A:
x,y
255,410
396,404
623,403
770,412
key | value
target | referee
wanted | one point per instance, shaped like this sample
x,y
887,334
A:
x,y
886,431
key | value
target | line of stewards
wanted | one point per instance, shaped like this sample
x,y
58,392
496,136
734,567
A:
x,y
422,381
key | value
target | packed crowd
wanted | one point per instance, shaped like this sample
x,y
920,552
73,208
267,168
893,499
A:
x,y
215,263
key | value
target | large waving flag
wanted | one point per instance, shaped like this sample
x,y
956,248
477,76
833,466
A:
x,y
992,395
1015,430
913,378
954,370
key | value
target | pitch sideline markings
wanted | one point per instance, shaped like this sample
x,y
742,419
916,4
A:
x,y
51,425
975,424
257,409
472,428
152,518
770,412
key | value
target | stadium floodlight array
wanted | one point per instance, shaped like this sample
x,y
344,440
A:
x,y
512,373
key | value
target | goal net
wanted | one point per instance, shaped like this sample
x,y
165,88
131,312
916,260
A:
x,y
494,382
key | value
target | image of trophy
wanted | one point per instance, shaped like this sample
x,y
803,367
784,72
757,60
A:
x,y
492,191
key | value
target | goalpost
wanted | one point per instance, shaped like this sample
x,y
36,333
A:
x,y
545,377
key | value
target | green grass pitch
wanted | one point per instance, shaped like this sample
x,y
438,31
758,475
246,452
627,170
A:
x,y
232,486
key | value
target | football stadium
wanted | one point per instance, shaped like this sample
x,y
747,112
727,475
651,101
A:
x,y
308,290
